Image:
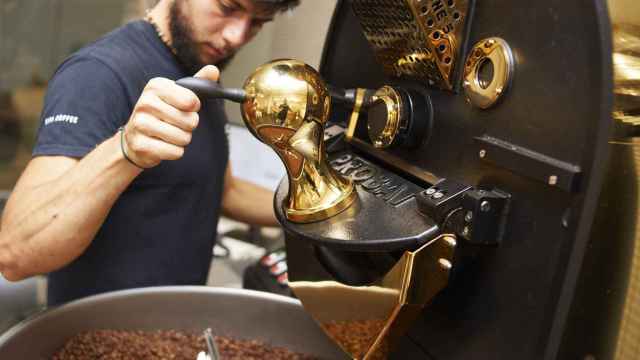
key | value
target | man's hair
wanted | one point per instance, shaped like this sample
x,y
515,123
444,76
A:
x,y
279,5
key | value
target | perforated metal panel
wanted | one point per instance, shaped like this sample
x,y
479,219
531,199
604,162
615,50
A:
x,y
418,39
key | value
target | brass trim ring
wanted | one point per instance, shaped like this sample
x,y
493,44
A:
x,y
393,103
485,94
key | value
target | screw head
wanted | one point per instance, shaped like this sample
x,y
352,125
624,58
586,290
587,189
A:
x,y
438,195
565,218
466,231
451,241
482,154
431,191
485,206
445,264
468,216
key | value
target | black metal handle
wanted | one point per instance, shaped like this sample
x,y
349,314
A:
x,y
342,96
212,90
347,97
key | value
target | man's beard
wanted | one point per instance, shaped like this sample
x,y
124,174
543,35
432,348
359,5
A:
x,y
184,44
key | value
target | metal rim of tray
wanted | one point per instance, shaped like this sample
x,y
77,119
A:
x,y
298,331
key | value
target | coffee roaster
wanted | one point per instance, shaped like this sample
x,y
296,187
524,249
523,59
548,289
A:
x,y
462,178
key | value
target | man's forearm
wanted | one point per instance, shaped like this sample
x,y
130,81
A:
x,y
47,226
249,203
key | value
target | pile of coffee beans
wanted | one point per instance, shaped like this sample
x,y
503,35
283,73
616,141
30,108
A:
x,y
164,345
358,336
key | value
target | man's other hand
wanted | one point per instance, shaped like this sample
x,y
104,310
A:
x,y
163,120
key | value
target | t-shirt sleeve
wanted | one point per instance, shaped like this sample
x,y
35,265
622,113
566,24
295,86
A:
x,y
85,104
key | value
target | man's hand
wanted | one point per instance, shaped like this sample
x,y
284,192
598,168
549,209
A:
x,y
163,120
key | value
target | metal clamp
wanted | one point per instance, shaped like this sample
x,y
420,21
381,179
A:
x,y
476,215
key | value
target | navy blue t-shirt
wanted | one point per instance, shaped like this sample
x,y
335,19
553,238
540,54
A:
x,y
162,229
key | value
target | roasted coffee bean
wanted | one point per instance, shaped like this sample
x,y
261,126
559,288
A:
x,y
164,345
358,336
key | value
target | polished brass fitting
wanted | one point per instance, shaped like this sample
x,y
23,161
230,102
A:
x,y
384,131
287,105
495,53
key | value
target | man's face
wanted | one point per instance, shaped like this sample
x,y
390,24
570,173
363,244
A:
x,y
210,31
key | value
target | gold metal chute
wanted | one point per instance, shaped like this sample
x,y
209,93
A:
x,y
366,320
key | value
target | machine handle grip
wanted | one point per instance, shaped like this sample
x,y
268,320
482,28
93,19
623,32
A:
x,y
347,97
208,89
342,96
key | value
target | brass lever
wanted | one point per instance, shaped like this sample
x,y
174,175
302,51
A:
x,y
355,115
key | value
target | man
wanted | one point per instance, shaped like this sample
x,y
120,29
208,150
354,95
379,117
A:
x,y
130,170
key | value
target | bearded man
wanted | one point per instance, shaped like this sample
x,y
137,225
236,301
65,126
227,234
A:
x,y
129,172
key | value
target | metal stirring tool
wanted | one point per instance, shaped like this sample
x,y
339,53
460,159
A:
x,y
213,353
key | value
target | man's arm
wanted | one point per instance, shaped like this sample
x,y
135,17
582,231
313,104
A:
x,y
57,207
59,203
247,202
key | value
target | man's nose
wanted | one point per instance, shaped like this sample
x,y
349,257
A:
x,y
237,31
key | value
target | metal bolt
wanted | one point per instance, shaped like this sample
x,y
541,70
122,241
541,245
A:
x,y
565,218
485,206
438,195
468,217
466,231
482,154
431,191
445,264
451,241
553,180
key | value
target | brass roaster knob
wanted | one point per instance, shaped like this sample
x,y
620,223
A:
x,y
286,107
285,104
